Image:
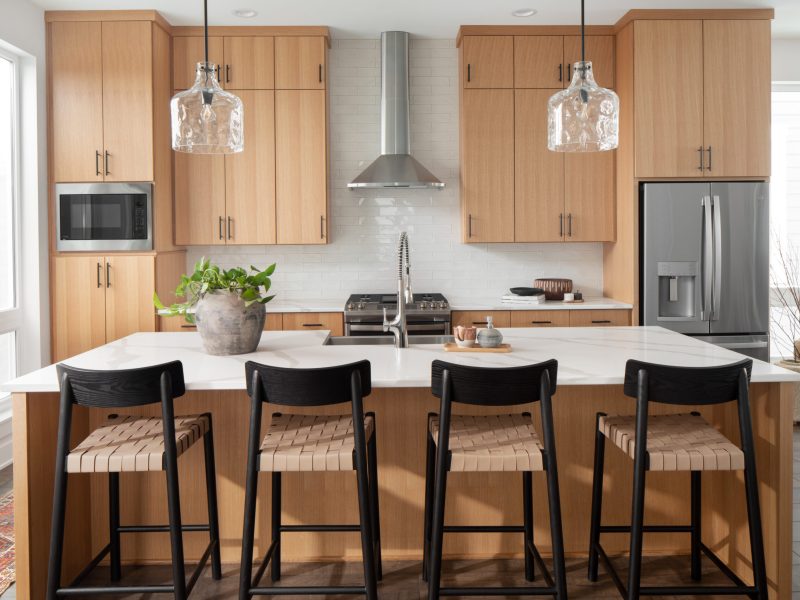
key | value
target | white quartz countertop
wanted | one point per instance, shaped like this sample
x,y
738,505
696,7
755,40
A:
x,y
279,305
586,356
497,304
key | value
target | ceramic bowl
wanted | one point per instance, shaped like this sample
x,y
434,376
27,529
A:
x,y
465,343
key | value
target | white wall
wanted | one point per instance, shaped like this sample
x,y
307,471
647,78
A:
x,y
364,225
785,64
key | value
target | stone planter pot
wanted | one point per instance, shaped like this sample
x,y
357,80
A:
x,y
793,365
226,326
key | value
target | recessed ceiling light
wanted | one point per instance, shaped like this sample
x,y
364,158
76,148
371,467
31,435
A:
x,y
245,13
524,12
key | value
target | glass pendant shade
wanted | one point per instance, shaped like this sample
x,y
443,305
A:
x,y
584,117
205,118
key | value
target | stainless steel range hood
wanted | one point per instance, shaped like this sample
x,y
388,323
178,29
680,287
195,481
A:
x,y
395,167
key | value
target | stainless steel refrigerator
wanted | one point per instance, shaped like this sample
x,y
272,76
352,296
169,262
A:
x,y
705,262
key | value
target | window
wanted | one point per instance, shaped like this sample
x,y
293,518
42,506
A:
x,y
10,314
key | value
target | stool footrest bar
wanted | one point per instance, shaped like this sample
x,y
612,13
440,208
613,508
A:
x,y
497,591
264,563
483,529
307,591
318,528
647,529
158,528
133,589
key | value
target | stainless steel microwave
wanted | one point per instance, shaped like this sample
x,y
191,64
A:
x,y
104,217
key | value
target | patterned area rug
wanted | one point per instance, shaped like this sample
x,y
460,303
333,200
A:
x,y
7,574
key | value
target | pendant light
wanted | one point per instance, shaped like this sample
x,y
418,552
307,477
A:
x,y
205,118
584,117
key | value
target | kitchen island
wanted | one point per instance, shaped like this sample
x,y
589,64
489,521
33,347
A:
x,y
591,368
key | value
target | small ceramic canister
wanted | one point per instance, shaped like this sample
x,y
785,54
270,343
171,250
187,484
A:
x,y
569,297
489,337
465,336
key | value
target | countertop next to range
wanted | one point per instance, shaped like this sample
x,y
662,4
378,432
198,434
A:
x,y
586,356
456,303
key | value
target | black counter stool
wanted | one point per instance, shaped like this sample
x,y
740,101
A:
x,y
309,443
131,444
492,443
679,442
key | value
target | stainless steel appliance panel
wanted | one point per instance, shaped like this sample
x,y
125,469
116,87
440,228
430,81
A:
x,y
754,346
741,258
675,268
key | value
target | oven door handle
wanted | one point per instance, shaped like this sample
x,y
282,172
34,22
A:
x,y
433,326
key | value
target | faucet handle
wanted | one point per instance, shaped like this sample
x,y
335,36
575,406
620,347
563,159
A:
x,y
385,320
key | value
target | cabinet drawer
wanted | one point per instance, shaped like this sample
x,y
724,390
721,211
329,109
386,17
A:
x,y
477,318
307,321
273,322
599,318
540,318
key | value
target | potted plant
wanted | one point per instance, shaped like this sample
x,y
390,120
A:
x,y
226,305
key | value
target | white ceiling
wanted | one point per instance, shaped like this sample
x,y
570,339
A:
x,y
424,18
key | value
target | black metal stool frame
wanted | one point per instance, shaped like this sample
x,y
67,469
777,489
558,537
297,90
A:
x,y
681,386
311,387
492,387
126,389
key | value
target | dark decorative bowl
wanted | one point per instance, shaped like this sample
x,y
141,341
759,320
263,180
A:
x,y
526,291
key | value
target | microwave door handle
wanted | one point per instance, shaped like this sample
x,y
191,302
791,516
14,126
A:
x,y
716,292
706,260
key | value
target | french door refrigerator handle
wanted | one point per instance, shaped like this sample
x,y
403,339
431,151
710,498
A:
x,y
716,214
706,260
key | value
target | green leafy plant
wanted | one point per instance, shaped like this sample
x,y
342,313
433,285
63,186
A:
x,y
208,278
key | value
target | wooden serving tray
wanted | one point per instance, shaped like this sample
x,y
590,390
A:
x,y
453,347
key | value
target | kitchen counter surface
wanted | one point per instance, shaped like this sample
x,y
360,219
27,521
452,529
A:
x,y
597,303
587,356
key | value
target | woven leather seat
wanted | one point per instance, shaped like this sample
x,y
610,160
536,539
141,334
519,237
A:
x,y
127,443
310,443
492,443
682,442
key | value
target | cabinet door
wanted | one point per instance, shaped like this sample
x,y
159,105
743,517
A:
x,y
599,50
737,98
477,318
199,199
187,51
488,61
249,63
668,92
300,63
128,100
76,106
538,173
589,203
78,305
274,321
539,318
487,165
250,175
130,281
310,321
599,318
301,167
539,61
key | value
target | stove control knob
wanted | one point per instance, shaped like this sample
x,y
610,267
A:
x,y
361,306
442,304
350,306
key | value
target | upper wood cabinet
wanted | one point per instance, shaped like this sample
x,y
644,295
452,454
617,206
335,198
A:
x,y
101,90
200,199
599,50
187,51
487,165
538,61
702,98
589,189
249,63
487,61
300,63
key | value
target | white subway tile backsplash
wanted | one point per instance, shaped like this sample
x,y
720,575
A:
x,y
364,224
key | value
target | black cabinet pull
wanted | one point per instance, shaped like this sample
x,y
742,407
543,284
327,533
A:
x,y
469,72
99,268
541,322
221,236
227,73
569,72
469,226
230,228
312,324
106,163
561,72
322,227
480,322
97,162
569,227
320,73
108,274
601,321
709,158
700,166
560,224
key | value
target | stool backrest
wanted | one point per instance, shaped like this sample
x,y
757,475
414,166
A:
x,y
122,388
307,387
493,386
687,385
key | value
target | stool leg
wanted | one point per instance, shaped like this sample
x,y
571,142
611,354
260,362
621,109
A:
x,y
113,526
275,563
597,498
251,492
372,462
430,479
697,535
175,528
211,494
367,538
637,524
437,526
556,529
754,521
57,532
527,508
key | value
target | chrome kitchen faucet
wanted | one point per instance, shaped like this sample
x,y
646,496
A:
x,y
404,296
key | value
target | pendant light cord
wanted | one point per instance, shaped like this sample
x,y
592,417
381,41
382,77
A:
x,y
583,36
205,33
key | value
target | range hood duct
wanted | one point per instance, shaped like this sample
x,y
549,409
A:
x,y
395,167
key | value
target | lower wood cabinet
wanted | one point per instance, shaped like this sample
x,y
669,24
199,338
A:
x,y
310,321
477,318
599,318
273,322
542,318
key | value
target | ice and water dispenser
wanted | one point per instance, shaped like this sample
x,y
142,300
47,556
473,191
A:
x,y
676,290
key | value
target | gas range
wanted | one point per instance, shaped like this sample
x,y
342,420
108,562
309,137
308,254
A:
x,y
429,314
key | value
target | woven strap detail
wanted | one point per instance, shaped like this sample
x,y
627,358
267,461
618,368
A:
x,y
311,443
128,443
682,442
492,443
